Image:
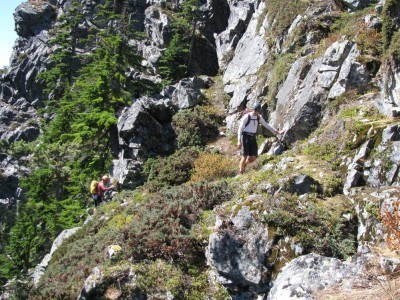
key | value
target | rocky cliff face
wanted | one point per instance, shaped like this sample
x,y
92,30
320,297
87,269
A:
x,y
245,253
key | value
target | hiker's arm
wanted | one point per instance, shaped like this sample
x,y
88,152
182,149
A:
x,y
240,129
269,127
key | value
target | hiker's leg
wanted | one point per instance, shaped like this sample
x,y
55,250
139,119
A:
x,y
96,200
242,165
251,159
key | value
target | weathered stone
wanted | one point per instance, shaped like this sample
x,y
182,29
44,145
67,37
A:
x,y
373,21
351,75
241,72
158,27
357,4
31,19
91,283
391,133
363,152
303,184
386,165
370,206
239,257
226,41
354,178
306,274
40,269
188,92
304,94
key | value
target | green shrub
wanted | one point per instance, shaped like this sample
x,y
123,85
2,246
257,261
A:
x,y
159,227
194,127
169,171
389,13
327,151
281,14
319,225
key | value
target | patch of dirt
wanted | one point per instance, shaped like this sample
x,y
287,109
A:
x,y
225,146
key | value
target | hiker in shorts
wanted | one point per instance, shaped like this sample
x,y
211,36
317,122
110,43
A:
x,y
247,133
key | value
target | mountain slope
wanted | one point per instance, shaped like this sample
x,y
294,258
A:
x,y
124,87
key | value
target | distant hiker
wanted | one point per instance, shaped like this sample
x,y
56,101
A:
x,y
247,133
102,187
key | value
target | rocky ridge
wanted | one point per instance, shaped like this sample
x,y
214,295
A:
x,y
235,43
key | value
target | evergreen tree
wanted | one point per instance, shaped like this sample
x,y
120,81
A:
x,y
76,143
65,40
174,64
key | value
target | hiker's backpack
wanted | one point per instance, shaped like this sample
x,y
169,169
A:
x,y
93,187
247,111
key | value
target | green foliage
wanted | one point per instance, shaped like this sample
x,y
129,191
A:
x,y
172,65
19,149
320,226
194,127
394,49
389,13
168,171
327,151
159,227
281,67
49,208
281,14
75,147
175,61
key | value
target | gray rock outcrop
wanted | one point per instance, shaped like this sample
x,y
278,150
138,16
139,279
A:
x,y
144,130
91,283
357,4
188,92
389,103
310,84
250,54
238,252
40,269
307,274
239,17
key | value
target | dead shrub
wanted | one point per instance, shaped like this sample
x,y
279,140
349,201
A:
x,y
212,166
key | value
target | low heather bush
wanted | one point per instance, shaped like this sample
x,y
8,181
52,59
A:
x,y
194,127
169,171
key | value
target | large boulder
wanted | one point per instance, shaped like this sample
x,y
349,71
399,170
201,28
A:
x,y
306,274
188,92
238,251
32,18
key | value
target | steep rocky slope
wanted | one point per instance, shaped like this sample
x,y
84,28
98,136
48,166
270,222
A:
x,y
322,216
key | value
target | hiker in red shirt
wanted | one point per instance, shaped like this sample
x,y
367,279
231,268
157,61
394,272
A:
x,y
102,187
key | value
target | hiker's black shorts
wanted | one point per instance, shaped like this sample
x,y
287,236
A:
x,y
249,144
